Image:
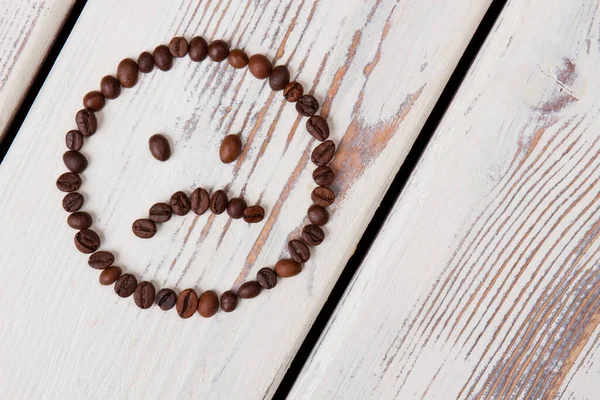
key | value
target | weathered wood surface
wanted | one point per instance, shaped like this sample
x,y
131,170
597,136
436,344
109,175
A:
x,y
485,282
27,29
377,67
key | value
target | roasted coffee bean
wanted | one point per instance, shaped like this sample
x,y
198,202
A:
x,y
72,202
307,106
68,182
75,161
236,207
299,251
198,49
160,212
180,203
101,260
110,87
79,220
229,301
87,241
323,153
318,127
218,50
144,295
178,47
163,58
208,304
187,303
94,100
231,148
238,59
166,299
313,235
254,214
125,285
200,201
74,140
287,268
279,78
159,147
109,276
323,196
144,228
293,91
86,122
266,278
218,202
146,62
323,175
127,73
260,66
318,215
249,290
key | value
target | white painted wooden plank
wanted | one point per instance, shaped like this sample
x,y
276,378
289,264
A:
x,y
485,280
27,29
378,67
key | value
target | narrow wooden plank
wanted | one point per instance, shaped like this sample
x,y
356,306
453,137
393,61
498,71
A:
x,y
66,336
27,30
485,280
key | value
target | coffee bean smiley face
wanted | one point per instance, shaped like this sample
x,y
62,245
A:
x,y
196,202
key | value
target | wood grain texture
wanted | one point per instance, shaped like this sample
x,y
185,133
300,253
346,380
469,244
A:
x,y
27,30
485,280
377,68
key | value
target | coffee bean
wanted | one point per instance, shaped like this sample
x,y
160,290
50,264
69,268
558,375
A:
x,y
144,295
218,50
238,59
229,301
146,62
72,202
279,78
200,201
144,228
166,299
313,235
198,49
68,182
79,220
293,91
307,105
298,251
249,290
236,207
260,66
178,47
125,285
163,58
266,278
318,215
110,87
75,161
254,214
94,100
86,122
218,202
323,175
160,212
187,303
323,196
127,73
180,204
208,304
317,127
87,241
109,276
74,140
231,148
101,260
287,268
159,147
323,153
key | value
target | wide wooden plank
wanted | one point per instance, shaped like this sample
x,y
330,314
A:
x,y
377,67
27,29
485,281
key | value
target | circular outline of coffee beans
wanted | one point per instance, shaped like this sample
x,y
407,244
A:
x,y
188,302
